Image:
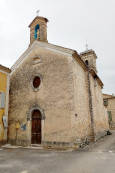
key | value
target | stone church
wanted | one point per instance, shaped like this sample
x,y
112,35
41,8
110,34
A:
x,y
55,94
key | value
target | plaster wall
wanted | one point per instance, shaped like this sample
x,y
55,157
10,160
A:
x,y
99,111
4,87
81,119
54,97
111,107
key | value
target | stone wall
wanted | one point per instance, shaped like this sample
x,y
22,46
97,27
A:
x,y
63,99
110,108
99,111
54,97
43,30
81,119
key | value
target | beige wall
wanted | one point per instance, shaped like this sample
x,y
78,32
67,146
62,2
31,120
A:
x,y
99,111
81,123
111,107
55,96
63,98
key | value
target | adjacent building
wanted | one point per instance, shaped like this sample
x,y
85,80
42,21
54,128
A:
x,y
109,102
4,102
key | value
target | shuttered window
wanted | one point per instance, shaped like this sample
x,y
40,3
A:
x,y
109,116
2,100
105,102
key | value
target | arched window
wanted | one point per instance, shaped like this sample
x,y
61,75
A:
x,y
37,27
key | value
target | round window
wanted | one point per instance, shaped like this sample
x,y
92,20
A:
x,y
36,82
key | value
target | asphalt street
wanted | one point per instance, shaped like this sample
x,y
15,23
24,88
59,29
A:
x,y
98,157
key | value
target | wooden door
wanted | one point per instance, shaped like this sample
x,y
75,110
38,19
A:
x,y
36,127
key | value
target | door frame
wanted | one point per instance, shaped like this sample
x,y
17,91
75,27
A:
x,y
29,122
40,121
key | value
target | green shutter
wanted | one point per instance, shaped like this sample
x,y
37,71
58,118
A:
x,y
109,116
2,100
105,101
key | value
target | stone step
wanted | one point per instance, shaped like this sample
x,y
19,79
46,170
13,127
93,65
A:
x,y
35,145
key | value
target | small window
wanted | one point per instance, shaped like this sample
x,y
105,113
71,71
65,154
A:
x,y
105,102
36,82
86,62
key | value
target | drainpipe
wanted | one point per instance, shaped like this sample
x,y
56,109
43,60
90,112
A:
x,y
92,136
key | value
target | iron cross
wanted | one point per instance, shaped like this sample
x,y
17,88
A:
x,y
37,12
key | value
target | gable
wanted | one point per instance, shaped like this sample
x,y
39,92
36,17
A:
x,y
54,48
38,44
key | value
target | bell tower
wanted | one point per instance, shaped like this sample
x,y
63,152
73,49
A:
x,y
89,57
38,29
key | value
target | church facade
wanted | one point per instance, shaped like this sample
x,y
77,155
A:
x,y
55,94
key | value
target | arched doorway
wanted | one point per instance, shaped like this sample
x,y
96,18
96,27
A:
x,y
36,127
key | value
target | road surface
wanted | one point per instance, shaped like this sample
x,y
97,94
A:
x,y
96,158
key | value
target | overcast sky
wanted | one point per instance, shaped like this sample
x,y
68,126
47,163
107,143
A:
x,y
71,23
